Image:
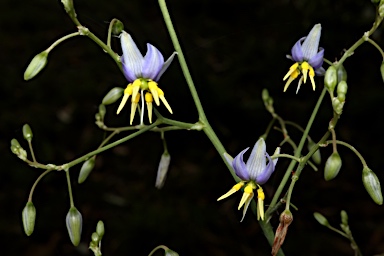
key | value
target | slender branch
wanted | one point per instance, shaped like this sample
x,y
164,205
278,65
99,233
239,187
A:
x,y
36,182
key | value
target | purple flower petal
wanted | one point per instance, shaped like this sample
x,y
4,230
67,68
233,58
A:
x,y
297,53
165,66
317,60
153,62
310,46
239,166
266,173
256,162
320,71
132,59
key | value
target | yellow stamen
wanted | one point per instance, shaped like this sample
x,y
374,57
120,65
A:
x,y
134,106
165,102
260,203
135,88
149,100
152,86
234,189
292,69
248,192
311,76
304,68
127,93
293,76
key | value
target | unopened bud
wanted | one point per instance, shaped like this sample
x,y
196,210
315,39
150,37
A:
x,y
15,146
100,228
74,222
29,217
316,157
330,78
95,238
337,105
118,27
342,89
102,111
332,166
344,217
372,185
27,132
162,170
86,169
113,95
36,65
169,252
341,73
265,95
321,219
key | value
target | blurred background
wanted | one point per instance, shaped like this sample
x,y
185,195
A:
x,y
234,49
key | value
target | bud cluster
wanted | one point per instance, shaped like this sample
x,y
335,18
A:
x,y
18,150
268,100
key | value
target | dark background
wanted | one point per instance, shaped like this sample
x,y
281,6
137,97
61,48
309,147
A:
x,y
234,50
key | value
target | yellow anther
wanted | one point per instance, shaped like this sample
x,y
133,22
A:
x,y
134,106
135,88
292,69
233,190
165,102
248,193
127,93
305,67
260,194
128,90
311,76
152,86
149,100
260,203
293,76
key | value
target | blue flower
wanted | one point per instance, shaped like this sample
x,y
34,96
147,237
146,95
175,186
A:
x,y
308,59
142,74
253,174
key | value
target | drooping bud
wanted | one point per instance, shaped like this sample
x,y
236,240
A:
x,y
332,166
381,9
113,95
29,217
372,185
337,105
321,219
162,170
342,89
118,27
100,229
18,150
102,111
74,222
86,169
36,65
27,132
330,78
341,73
286,219
344,217
169,252
316,157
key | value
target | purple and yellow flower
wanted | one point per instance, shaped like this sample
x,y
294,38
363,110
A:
x,y
253,174
308,59
142,74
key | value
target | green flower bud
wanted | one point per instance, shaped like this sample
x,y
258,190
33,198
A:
x,y
29,217
118,27
36,65
382,70
162,170
15,146
102,111
372,185
100,229
330,78
265,95
344,217
113,95
316,157
86,169
342,89
332,166
27,132
341,73
95,238
321,219
337,105
74,222
169,252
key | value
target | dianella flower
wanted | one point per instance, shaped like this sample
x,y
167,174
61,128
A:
x,y
253,174
308,58
142,74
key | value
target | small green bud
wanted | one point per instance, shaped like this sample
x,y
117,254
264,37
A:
x,y
330,78
332,166
342,89
321,219
265,95
29,217
74,222
337,105
316,157
36,65
15,146
95,237
86,169
344,217
27,132
169,252
113,95
100,229
118,27
341,73
162,170
102,111
382,70
372,185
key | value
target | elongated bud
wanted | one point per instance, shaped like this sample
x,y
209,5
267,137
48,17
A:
x,y
29,217
344,217
169,252
118,27
86,169
15,146
321,219
27,132
95,238
100,229
316,157
113,95
162,170
330,78
265,95
74,222
337,105
372,185
286,219
342,89
36,65
102,111
332,166
341,73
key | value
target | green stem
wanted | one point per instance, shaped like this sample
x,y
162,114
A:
x,y
32,152
377,46
113,21
35,184
352,148
57,42
287,156
157,248
69,188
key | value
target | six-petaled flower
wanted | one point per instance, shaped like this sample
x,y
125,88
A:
x,y
253,174
308,59
142,74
